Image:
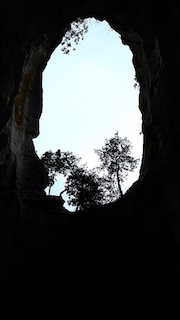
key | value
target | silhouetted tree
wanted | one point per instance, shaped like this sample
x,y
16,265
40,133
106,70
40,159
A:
x,y
59,163
116,161
49,162
84,188
110,189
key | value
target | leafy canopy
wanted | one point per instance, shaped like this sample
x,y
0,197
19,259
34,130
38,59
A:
x,y
84,188
59,163
87,187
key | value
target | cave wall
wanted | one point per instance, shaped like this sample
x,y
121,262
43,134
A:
x,y
29,32
27,44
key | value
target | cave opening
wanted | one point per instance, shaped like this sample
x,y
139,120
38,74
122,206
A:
x,y
87,96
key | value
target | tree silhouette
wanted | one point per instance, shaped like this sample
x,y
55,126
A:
x,y
87,187
59,163
116,160
84,188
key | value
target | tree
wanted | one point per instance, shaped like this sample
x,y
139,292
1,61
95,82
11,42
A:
x,y
116,161
110,189
84,188
49,161
58,163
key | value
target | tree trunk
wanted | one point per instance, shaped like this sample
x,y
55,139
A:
x,y
118,181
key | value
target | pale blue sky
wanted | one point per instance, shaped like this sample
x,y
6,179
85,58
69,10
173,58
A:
x,y
87,96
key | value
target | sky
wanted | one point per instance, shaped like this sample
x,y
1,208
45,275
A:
x,y
88,95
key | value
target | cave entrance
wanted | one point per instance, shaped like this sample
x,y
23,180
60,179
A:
x,y
87,96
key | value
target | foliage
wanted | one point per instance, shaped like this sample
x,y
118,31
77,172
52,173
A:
x,y
76,33
110,189
48,160
58,163
84,188
87,187
65,162
116,160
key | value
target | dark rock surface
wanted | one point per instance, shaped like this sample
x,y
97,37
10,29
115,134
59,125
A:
x,y
120,260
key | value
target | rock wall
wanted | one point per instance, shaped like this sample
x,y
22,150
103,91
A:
x,y
130,248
